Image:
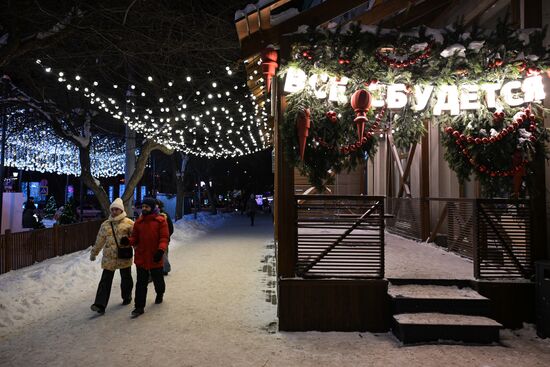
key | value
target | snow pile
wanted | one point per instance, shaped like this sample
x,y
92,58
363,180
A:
x,y
44,289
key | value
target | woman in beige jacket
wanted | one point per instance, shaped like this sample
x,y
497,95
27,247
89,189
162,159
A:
x,y
120,225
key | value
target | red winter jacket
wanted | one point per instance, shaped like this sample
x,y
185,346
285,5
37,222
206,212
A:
x,y
150,233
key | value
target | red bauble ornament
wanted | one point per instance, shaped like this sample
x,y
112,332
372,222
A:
x,y
303,123
360,102
477,140
269,65
533,71
456,134
332,116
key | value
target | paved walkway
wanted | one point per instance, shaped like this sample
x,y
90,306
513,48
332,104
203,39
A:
x,y
219,311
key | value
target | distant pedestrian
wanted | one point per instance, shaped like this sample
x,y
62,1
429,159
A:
x,y
29,219
150,239
112,234
251,208
167,267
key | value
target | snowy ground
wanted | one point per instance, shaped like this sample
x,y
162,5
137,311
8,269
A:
x,y
218,311
419,260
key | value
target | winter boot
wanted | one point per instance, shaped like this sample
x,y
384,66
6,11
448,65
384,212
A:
x,y
138,311
98,308
158,299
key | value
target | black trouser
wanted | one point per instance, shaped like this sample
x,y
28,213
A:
x,y
104,287
143,281
252,215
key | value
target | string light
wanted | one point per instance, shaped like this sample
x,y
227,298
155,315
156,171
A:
x,y
38,148
175,130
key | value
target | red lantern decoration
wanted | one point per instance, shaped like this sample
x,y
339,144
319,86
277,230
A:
x,y
303,123
269,65
360,101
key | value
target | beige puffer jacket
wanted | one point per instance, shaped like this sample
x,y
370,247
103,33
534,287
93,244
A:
x,y
105,240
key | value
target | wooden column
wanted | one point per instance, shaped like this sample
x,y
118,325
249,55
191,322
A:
x,y
532,18
285,208
425,183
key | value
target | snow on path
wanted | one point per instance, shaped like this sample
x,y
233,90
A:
x,y
215,314
419,260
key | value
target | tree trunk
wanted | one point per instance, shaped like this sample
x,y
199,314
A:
x,y
90,181
130,165
145,151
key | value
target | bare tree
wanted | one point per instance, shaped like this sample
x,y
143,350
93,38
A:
x,y
76,128
118,42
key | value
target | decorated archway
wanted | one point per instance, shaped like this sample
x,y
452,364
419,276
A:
x,y
348,87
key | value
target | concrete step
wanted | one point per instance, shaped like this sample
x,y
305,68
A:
x,y
413,298
413,328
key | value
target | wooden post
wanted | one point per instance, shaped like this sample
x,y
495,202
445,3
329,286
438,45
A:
x,y
532,18
56,238
425,184
475,238
8,251
285,205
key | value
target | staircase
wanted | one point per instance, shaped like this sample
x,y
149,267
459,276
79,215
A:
x,y
440,310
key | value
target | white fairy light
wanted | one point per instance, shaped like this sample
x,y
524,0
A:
x,y
160,129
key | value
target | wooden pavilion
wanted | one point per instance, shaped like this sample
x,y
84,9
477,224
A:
x,y
414,194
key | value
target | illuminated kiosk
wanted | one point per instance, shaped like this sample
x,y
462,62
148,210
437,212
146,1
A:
x,y
412,192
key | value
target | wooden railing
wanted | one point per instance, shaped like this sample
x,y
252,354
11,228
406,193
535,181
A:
x,y
504,235
496,234
340,236
406,217
21,249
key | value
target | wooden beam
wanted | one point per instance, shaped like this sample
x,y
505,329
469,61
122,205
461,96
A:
x,y
468,11
285,207
382,10
418,14
425,182
541,248
407,172
263,19
314,16
397,160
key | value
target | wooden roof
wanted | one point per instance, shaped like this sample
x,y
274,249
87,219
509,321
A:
x,y
255,30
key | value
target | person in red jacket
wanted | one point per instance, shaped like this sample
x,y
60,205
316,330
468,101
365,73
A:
x,y
150,239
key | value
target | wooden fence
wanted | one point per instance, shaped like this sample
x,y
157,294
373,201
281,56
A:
x,y
340,236
21,249
496,234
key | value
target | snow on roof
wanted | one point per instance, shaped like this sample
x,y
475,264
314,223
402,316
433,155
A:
x,y
252,7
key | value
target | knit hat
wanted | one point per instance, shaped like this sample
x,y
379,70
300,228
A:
x,y
117,204
149,201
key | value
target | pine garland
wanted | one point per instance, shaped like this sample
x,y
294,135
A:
x,y
452,56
